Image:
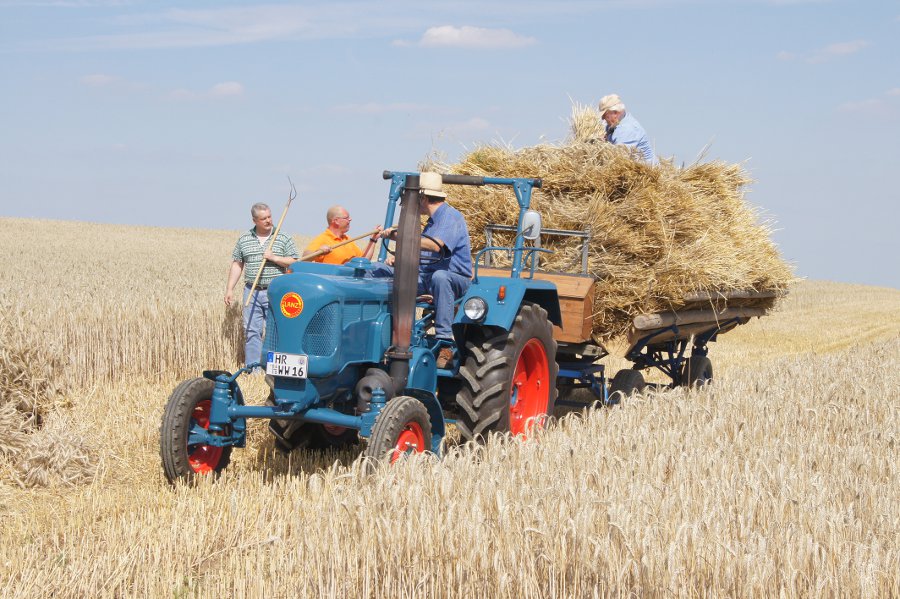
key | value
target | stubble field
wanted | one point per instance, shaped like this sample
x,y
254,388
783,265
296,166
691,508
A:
x,y
781,479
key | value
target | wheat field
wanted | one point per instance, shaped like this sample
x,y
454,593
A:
x,y
779,480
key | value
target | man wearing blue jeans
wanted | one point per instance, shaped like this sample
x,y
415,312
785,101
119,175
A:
x,y
248,255
447,270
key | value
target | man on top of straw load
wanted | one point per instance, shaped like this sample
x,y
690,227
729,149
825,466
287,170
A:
x,y
249,252
449,277
622,128
338,220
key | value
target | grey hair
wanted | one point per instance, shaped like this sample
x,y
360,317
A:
x,y
258,207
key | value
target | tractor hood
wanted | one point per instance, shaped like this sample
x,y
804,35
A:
x,y
332,314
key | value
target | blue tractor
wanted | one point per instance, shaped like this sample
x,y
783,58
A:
x,y
350,357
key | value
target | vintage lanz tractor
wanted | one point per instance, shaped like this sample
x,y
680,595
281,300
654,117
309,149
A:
x,y
352,357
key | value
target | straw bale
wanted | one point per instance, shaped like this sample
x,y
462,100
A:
x,y
658,232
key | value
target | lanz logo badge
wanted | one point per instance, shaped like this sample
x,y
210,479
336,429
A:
x,y
291,305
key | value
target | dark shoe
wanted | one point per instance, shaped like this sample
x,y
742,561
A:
x,y
445,357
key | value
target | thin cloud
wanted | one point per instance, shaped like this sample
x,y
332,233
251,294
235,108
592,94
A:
x,y
98,80
229,88
472,125
829,52
181,28
862,105
66,3
457,130
884,106
448,36
376,108
839,49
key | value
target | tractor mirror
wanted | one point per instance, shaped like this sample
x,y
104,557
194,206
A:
x,y
531,225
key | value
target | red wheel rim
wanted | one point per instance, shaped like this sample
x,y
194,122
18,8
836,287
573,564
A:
x,y
334,430
530,392
410,440
203,458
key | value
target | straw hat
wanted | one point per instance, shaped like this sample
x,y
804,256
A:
x,y
430,184
611,102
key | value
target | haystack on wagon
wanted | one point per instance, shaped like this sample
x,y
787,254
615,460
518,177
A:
x,y
658,259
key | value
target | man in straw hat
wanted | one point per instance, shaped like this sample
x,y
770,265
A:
x,y
338,220
248,252
447,273
622,128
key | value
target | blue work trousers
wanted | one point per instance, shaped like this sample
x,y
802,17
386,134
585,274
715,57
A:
x,y
255,323
445,286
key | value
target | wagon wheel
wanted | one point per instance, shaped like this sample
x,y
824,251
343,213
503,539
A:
x,y
697,372
625,383
402,427
188,411
509,378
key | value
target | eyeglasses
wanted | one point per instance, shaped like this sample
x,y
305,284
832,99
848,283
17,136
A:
x,y
346,218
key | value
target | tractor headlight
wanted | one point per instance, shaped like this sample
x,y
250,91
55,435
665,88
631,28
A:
x,y
475,309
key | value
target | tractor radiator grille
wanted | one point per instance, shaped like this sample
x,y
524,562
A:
x,y
270,341
323,334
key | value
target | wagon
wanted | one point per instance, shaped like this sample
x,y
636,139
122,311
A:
x,y
659,340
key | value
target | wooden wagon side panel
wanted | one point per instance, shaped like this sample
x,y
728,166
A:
x,y
576,302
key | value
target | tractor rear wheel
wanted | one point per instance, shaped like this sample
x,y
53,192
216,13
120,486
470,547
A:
x,y
625,383
403,426
697,372
509,377
188,410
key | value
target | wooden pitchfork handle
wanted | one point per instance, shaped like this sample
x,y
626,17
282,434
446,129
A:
x,y
291,196
318,253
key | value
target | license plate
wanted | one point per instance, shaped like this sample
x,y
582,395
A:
x,y
290,365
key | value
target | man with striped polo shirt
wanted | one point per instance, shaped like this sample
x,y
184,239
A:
x,y
248,254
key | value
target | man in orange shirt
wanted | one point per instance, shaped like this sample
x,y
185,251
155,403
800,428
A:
x,y
338,224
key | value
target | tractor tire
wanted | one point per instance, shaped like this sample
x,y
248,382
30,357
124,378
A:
x,y
189,407
403,426
697,372
296,434
508,377
624,384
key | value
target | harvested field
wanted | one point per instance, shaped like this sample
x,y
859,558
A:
x,y
657,232
779,480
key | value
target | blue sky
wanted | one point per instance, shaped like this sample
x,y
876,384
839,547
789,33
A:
x,y
184,113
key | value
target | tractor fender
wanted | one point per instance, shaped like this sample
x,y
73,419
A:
x,y
502,312
435,414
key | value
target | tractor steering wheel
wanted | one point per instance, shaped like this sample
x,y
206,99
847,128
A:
x,y
423,261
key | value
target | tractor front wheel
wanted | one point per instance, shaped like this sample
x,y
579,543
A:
x,y
188,410
509,377
402,427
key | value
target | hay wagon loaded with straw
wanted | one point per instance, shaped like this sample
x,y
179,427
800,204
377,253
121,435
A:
x,y
352,357
659,340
